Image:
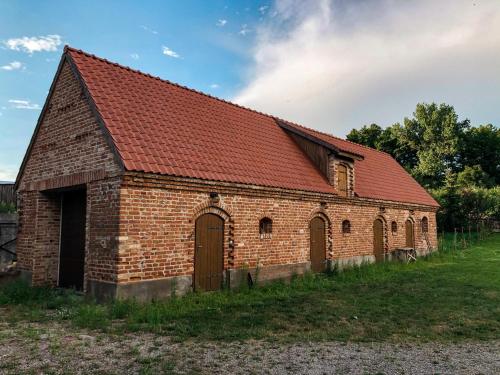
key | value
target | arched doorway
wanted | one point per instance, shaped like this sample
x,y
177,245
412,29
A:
x,y
378,240
209,252
317,231
410,236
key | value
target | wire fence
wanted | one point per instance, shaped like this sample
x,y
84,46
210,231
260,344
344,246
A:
x,y
465,237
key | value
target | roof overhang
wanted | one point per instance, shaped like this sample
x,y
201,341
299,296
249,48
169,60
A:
x,y
293,129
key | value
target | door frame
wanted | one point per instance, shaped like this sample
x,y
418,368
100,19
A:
x,y
223,276
326,224
410,220
384,236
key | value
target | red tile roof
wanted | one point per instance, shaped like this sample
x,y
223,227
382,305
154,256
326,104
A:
x,y
161,127
378,175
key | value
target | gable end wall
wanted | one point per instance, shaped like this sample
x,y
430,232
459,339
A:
x,y
68,149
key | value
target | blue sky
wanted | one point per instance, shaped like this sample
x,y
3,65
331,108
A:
x,y
209,41
332,65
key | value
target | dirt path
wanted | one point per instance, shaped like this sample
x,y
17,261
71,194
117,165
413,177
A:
x,y
53,348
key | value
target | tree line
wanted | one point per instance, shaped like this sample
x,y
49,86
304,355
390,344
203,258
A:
x,y
459,164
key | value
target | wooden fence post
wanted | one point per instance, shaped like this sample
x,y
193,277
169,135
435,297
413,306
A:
x,y
464,242
470,237
455,240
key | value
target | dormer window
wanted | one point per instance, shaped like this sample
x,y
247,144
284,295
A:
x,y
342,181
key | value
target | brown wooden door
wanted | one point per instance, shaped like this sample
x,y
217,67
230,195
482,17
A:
x,y
410,238
318,244
72,245
378,240
209,252
342,179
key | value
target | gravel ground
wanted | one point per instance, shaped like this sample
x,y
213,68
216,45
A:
x,y
59,349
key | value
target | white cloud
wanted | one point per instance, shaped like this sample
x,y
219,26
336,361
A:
x,y
263,9
14,65
32,44
1,114
244,30
221,23
7,174
23,104
338,65
135,56
168,52
214,86
149,30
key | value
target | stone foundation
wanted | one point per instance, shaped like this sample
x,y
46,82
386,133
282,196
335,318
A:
x,y
141,291
262,275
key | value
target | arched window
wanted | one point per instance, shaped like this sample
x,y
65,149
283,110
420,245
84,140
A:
x,y
425,225
342,180
394,227
266,228
346,226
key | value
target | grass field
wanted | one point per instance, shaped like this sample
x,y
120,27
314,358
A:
x,y
449,296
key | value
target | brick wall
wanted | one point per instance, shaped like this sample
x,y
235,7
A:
x,y
46,240
333,163
157,228
69,140
103,199
69,149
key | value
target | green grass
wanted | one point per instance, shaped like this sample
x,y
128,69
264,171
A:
x,y
7,208
449,296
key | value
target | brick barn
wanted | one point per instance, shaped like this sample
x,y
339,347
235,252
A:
x,y
133,186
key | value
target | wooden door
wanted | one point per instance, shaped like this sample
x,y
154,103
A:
x,y
410,238
378,240
72,241
209,252
342,179
318,244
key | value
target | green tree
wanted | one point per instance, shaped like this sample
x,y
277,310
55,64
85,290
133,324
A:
x,y
387,140
481,146
435,134
474,177
390,142
367,135
460,164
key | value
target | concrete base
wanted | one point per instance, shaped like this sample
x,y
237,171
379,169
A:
x,y
343,263
244,276
144,290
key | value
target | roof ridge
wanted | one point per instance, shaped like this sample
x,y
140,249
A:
x,y
67,47
137,71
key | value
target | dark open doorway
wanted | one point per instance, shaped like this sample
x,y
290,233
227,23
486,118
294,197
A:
x,y
72,245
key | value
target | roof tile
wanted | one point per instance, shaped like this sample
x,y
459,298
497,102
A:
x,y
161,127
